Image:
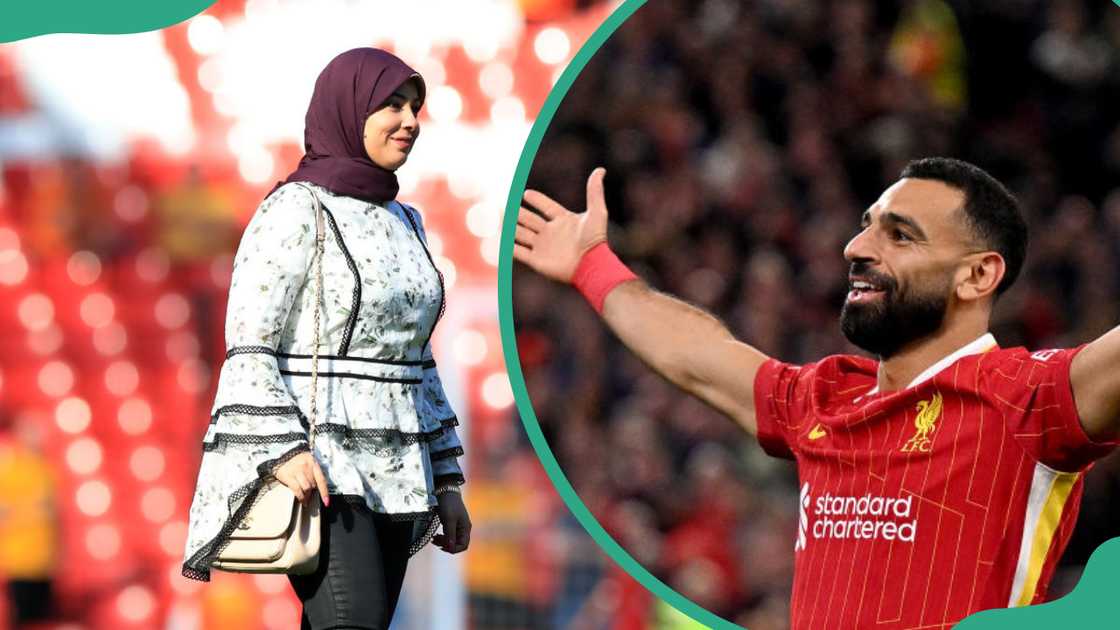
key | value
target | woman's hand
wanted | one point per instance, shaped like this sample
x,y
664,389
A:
x,y
452,513
303,476
552,240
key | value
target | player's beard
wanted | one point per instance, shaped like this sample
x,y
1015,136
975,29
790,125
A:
x,y
886,326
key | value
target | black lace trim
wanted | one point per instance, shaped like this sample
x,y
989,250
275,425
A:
x,y
287,355
446,453
396,436
442,289
356,299
221,439
364,377
426,524
449,479
257,410
198,566
423,533
381,441
236,350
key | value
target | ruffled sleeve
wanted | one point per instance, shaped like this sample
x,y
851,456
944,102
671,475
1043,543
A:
x,y
255,422
446,449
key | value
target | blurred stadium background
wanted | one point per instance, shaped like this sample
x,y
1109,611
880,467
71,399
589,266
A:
x,y
128,167
742,141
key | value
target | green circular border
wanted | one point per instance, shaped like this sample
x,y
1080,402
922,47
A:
x,y
509,341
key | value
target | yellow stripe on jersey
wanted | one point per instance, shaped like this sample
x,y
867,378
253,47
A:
x,y
1048,520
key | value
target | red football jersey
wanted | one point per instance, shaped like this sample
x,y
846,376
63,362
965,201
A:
x,y
924,505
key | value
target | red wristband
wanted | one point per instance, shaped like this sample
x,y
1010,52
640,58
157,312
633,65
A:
x,y
598,272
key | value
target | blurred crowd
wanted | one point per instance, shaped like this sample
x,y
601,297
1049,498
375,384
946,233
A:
x,y
742,140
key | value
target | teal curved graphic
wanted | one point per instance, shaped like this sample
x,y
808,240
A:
x,y
1092,604
40,17
1086,607
509,341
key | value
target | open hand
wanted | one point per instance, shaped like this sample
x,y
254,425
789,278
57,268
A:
x,y
452,513
552,240
303,477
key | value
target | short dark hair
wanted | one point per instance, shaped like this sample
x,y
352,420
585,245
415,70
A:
x,y
992,212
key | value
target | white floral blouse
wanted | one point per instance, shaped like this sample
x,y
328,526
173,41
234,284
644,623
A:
x,y
385,433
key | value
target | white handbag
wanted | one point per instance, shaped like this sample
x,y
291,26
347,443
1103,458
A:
x,y
280,534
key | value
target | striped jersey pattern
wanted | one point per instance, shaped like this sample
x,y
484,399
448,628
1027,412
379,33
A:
x,y
921,506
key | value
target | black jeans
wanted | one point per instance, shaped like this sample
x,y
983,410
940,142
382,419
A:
x,y
362,559
29,601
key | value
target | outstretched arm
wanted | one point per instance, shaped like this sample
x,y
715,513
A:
x,y
1095,379
684,344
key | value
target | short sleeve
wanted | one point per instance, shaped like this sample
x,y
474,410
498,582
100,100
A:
x,y
781,399
1034,393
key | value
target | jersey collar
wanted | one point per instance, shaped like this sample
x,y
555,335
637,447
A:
x,y
983,343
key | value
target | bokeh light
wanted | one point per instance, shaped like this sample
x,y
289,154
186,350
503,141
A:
x,y
83,456
172,310
181,346
103,541
205,34
193,376
490,250
36,311
172,537
45,341
84,268
496,79
93,497
552,45
484,220
131,203
72,415
122,378
97,310
13,267
134,416
146,463
110,340
157,504
56,378
136,603
444,104
469,347
496,391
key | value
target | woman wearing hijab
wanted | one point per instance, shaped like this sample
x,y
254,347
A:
x,y
385,457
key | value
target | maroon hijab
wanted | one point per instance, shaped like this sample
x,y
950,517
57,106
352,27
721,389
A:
x,y
351,87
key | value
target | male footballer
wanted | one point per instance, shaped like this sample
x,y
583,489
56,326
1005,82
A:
x,y
941,479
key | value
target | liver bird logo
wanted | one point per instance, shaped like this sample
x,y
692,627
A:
x,y
929,411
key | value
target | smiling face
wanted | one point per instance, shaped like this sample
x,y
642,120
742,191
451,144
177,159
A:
x,y
914,254
390,131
